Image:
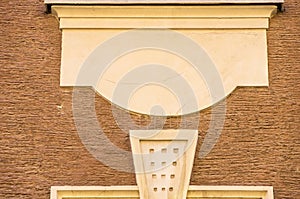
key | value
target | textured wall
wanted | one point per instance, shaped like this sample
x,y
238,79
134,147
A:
x,y
259,145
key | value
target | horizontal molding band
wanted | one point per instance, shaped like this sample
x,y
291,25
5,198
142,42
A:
x,y
176,23
245,11
264,192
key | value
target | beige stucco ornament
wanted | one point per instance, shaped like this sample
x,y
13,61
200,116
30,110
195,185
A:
x,y
164,60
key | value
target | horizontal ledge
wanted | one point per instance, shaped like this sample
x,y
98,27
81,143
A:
x,y
94,188
191,188
230,188
193,191
158,1
177,23
246,11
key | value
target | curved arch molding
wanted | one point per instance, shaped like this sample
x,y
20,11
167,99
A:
x,y
196,50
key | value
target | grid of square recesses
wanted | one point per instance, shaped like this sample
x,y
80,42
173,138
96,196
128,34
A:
x,y
163,161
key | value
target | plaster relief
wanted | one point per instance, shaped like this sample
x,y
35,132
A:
x,y
164,60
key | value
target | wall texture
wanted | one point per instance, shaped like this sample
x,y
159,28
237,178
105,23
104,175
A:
x,y
259,145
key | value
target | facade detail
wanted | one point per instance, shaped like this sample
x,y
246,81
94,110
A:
x,y
232,40
220,46
150,99
163,161
195,192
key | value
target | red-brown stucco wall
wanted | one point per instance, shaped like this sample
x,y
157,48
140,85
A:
x,y
39,145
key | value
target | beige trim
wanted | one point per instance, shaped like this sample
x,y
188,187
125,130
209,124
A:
x,y
183,141
248,11
184,17
64,192
234,192
233,37
112,23
261,192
